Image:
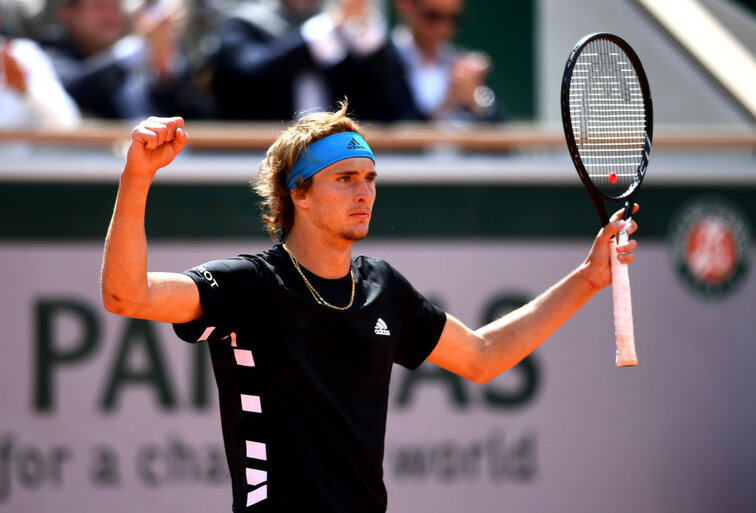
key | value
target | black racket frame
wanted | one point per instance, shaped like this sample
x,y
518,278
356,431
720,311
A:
x,y
596,195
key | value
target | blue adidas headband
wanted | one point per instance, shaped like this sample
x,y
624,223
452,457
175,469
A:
x,y
326,151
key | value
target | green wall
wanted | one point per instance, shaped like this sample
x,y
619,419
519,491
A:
x,y
70,212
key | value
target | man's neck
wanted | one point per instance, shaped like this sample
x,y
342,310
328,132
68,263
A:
x,y
427,51
324,258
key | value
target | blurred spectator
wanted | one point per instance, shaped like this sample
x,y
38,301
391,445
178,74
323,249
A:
x,y
441,80
278,58
31,95
199,39
112,73
17,19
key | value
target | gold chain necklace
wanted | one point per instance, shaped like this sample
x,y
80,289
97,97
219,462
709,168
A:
x,y
318,298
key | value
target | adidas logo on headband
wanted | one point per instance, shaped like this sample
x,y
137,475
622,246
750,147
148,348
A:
x,y
354,144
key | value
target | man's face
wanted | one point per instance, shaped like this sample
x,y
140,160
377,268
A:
x,y
94,24
340,200
433,22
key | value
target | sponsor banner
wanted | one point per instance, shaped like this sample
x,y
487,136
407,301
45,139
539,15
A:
x,y
104,413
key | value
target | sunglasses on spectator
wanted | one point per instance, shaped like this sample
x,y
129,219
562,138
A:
x,y
435,16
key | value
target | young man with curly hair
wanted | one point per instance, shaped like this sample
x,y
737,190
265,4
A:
x,y
303,336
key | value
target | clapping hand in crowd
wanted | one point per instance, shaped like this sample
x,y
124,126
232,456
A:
x,y
468,73
161,27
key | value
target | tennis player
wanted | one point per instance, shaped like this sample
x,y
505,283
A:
x,y
303,336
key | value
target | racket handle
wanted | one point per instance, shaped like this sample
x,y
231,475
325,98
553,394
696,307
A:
x,y
623,308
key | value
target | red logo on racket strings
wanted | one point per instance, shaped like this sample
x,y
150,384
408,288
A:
x,y
612,178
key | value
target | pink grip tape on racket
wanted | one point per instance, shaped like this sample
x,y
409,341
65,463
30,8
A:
x,y
623,308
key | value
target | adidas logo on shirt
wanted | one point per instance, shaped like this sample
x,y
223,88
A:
x,y
354,144
381,328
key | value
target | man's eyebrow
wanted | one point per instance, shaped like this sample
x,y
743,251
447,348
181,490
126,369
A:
x,y
344,172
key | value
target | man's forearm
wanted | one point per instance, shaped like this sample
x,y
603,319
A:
x,y
124,265
506,341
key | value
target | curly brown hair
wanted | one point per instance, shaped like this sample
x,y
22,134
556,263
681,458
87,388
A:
x,y
270,183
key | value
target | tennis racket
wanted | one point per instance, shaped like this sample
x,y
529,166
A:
x,y
607,118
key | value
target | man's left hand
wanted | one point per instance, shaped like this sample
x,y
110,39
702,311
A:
x,y
597,268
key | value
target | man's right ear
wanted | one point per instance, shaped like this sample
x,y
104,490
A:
x,y
299,197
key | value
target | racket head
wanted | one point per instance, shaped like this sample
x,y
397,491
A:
x,y
607,116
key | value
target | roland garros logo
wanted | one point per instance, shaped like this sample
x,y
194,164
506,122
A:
x,y
710,247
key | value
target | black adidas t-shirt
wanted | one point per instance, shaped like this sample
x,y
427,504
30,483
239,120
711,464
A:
x,y
303,388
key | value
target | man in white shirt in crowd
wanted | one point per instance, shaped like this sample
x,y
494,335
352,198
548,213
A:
x,y
445,82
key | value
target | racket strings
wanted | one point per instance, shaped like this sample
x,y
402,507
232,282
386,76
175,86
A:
x,y
608,116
